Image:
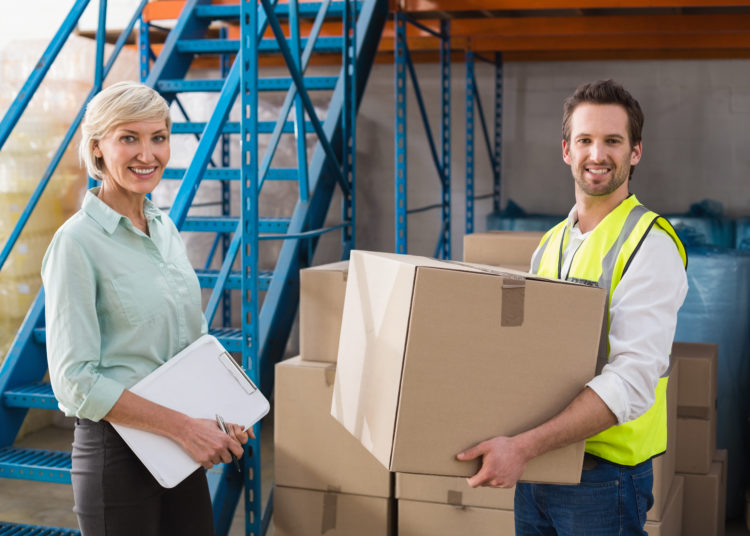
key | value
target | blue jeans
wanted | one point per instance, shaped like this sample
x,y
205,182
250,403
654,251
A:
x,y
610,501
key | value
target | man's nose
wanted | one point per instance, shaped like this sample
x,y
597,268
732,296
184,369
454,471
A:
x,y
597,151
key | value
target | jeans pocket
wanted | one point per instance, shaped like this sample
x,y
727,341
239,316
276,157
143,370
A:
x,y
642,487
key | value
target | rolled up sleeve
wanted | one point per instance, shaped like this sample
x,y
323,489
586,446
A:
x,y
643,317
73,335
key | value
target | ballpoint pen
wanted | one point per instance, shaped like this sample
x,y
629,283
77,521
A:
x,y
223,428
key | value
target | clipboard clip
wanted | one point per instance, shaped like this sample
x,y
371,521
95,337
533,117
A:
x,y
244,380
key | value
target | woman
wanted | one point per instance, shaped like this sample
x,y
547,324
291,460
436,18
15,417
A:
x,y
121,299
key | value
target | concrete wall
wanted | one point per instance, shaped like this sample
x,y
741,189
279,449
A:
x,y
696,141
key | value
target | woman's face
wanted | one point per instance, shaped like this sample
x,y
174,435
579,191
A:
x,y
135,155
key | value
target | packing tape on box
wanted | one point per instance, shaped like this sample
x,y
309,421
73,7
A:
x,y
514,293
455,498
330,505
330,375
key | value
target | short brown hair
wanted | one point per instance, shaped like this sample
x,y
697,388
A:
x,y
605,92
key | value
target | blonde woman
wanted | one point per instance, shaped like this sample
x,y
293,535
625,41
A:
x,y
121,299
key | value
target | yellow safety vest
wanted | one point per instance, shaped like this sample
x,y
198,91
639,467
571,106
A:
x,y
602,260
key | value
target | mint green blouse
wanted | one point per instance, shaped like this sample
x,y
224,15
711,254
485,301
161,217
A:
x,y
118,304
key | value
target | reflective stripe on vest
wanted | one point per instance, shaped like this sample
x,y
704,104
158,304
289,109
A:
x,y
602,260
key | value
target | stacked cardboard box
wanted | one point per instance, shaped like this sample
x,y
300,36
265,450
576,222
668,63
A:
x,y
671,521
326,482
511,249
446,506
665,516
698,462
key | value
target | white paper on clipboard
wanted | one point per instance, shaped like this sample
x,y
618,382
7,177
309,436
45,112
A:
x,y
203,380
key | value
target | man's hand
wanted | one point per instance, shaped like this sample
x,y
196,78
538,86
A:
x,y
503,462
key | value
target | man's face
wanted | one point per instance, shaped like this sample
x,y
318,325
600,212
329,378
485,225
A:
x,y
599,152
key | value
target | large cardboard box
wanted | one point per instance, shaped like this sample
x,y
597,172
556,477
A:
x,y
417,518
511,249
311,449
698,378
696,443
664,465
452,490
435,357
701,505
671,522
321,304
303,512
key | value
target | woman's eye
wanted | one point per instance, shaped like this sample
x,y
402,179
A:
x,y
160,138
127,139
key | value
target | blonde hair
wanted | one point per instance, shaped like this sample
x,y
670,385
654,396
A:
x,y
123,102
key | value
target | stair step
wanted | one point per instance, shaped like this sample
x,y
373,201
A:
x,y
305,10
35,464
208,278
232,46
233,174
36,395
231,338
228,224
264,84
233,127
17,529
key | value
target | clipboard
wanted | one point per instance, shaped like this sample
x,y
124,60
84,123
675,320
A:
x,y
203,380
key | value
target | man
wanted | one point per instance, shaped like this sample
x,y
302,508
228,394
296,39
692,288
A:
x,y
609,239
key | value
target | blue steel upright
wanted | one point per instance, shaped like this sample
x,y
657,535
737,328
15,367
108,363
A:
x,y
469,141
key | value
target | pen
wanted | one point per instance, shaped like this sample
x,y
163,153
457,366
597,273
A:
x,y
223,428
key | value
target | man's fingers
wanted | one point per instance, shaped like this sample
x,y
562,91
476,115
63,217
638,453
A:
x,y
479,479
473,453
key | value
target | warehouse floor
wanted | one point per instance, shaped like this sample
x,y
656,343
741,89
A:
x,y
46,504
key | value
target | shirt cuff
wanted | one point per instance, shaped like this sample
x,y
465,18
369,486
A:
x,y
608,387
103,395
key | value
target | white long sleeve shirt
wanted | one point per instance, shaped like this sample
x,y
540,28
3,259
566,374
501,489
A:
x,y
643,316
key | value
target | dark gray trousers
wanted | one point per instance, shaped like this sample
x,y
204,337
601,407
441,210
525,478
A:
x,y
115,495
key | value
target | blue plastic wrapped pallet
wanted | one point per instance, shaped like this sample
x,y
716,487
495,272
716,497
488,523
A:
x,y
743,234
704,225
717,310
515,218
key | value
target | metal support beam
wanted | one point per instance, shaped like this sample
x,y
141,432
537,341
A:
x,y
349,127
249,224
469,142
400,138
443,249
497,167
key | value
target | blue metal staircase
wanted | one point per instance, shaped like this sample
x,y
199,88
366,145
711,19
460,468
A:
x,y
261,336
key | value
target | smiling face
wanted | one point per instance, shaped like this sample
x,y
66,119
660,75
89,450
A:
x,y
135,155
599,152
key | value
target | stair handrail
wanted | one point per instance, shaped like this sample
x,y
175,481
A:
x,y
19,104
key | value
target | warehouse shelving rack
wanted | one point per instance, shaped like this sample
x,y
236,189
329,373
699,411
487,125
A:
x,y
261,337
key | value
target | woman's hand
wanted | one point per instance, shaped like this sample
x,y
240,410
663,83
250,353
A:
x,y
208,445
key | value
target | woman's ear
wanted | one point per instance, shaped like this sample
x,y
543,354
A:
x,y
97,151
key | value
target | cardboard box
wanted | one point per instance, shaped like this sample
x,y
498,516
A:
x,y
701,511
436,357
698,379
321,303
302,512
451,490
671,523
422,518
721,456
664,465
511,249
696,443
311,449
